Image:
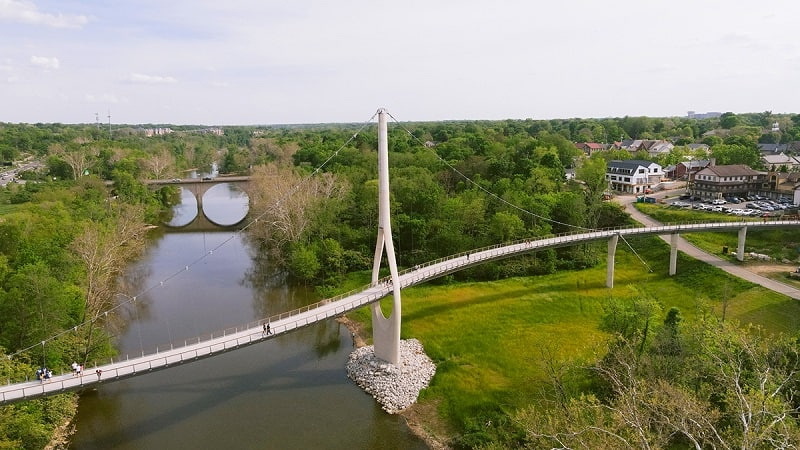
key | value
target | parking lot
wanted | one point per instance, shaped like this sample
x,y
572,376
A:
x,y
755,206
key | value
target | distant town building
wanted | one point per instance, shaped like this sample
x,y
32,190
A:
x,y
633,176
775,162
150,132
735,180
212,130
707,115
588,148
681,170
653,147
772,149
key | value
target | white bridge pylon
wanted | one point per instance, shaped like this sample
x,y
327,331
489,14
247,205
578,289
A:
x,y
385,330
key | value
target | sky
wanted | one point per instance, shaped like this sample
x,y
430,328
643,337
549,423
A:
x,y
243,62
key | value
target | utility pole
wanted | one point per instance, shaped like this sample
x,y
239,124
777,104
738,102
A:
x,y
109,124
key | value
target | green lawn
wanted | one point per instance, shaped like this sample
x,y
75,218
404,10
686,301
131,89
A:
x,y
489,339
7,209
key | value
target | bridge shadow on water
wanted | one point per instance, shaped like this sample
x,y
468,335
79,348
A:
x,y
202,381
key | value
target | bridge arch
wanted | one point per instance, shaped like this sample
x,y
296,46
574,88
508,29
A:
x,y
198,187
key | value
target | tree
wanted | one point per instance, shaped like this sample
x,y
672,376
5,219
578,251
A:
x,y
592,172
504,227
79,159
290,203
728,120
159,164
737,154
104,250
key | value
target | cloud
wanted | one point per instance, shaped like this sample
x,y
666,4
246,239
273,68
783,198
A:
x,y
44,62
26,12
149,79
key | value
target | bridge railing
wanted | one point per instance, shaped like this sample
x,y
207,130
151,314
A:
x,y
378,290
559,237
198,348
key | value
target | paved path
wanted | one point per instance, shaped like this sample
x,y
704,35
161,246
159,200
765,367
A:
x,y
688,248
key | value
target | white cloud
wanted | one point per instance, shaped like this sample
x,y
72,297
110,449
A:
x,y
44,62
150,79
27,12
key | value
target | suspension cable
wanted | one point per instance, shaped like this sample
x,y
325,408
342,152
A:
x,y
486,191
504,201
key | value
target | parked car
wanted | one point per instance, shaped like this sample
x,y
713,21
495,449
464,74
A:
x,y
718,201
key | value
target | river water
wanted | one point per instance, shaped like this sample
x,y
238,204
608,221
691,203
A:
x,y
290,392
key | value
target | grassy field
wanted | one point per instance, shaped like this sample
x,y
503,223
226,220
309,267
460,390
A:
x,y
7,209
489,339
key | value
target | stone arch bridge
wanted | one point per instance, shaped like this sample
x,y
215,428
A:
x,y
198,187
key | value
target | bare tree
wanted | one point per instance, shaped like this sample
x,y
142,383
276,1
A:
x,y
288,202
104,251
78,159
159,164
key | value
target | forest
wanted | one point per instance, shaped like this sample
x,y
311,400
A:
x,y
68,231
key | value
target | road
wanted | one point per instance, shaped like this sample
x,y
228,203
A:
x,y
9,175
686,247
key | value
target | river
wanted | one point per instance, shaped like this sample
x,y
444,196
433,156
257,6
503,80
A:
x,y
290,392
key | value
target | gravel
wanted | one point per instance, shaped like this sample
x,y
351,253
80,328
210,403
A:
x,y
394,387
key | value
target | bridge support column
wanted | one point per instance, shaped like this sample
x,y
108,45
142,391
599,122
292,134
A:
x,y
673,254
612,251
740,246
385,331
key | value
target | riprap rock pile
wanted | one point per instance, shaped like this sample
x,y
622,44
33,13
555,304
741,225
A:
x,y
394,387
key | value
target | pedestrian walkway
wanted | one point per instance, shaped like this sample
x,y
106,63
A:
x,y
691,250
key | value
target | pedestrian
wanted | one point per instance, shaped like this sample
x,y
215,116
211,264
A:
x,y
264,330
269,330
99,373
75,369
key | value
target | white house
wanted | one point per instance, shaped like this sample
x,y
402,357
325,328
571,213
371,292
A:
x,y
633,176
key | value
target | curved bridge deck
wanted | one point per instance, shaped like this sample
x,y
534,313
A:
x,y
234,338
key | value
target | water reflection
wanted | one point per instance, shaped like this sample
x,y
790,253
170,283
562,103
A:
x,y
185,211
225,204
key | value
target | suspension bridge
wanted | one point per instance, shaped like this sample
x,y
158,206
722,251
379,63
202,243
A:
x,y
252,333
386,330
